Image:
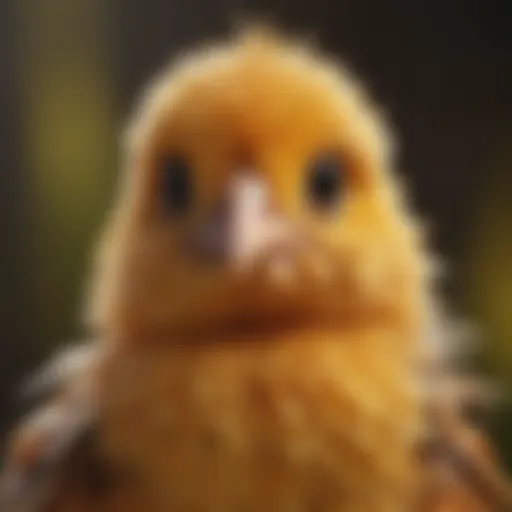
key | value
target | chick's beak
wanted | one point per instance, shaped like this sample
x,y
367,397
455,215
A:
x,y
242,227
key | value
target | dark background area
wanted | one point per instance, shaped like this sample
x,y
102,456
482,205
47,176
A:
x,y
71,69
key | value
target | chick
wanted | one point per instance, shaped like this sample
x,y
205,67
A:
x,y
259,302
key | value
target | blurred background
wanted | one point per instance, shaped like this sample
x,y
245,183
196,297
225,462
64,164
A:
x,y
71,69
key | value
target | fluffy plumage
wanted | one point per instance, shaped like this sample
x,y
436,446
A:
x,y
260,350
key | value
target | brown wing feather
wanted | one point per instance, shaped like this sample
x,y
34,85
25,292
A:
x,y
46,445
37,451
463,473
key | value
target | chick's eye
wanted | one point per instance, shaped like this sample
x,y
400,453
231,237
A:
x,y
325,182
176,186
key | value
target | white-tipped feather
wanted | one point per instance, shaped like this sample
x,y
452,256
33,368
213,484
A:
x,y
53,374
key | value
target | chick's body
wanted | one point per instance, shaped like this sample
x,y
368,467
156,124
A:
x,y
275,424
260,295
276,392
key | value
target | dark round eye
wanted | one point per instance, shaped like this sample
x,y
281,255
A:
x,y
176,186
325,181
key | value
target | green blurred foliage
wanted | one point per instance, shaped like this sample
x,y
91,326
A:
x,y
489,276
71,145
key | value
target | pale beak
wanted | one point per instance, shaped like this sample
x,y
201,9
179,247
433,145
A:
x,y
241,227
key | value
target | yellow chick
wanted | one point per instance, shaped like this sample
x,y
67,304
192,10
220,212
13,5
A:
x,y
259,302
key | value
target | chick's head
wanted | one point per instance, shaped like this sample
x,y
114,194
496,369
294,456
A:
x,y
257,193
